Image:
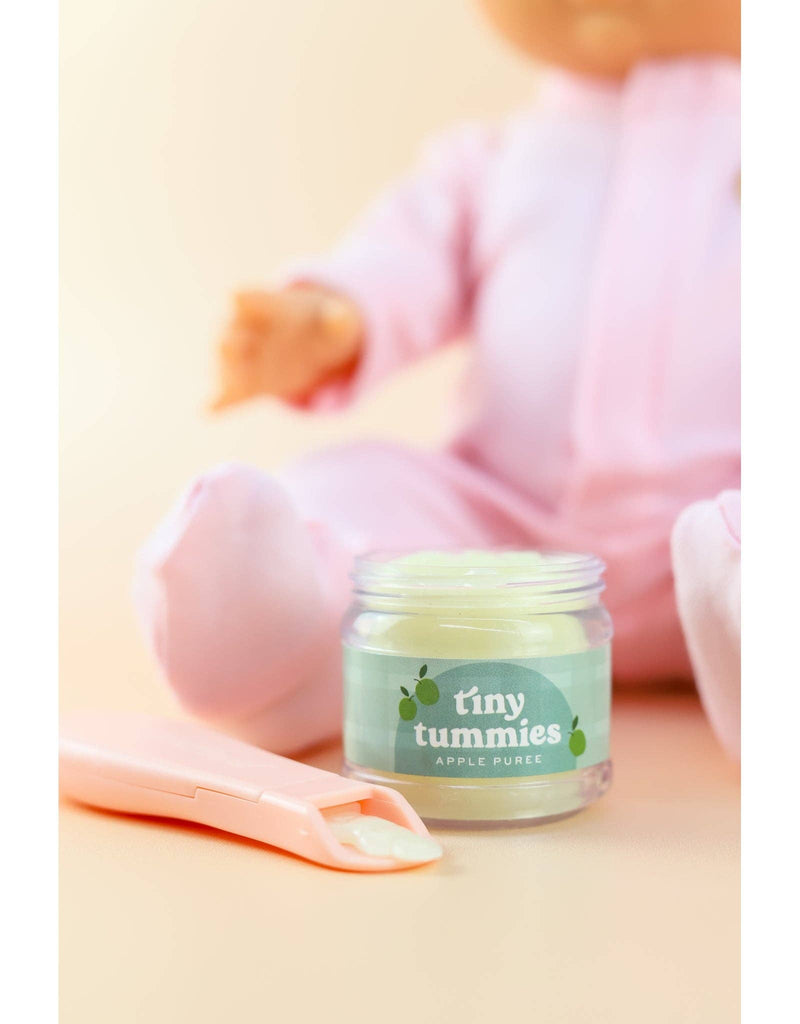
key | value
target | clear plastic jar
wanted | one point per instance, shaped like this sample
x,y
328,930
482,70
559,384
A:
x,y
478,683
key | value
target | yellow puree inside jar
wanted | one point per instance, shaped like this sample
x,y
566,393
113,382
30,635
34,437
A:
x,y
453,616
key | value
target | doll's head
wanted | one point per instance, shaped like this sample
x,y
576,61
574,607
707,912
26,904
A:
x,y
607,37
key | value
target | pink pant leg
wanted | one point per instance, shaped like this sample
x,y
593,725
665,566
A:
x,y
226,588
376,495
706,552
242,588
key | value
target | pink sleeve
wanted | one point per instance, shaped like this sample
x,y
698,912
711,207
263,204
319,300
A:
x,y
406,264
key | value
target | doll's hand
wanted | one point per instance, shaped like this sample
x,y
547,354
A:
x,y
286,343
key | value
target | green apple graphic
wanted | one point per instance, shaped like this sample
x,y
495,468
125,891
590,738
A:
x,y
426,692
577,739
426,689
407,707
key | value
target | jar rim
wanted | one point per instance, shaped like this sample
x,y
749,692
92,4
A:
x,y
481,569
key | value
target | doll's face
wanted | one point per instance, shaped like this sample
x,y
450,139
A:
x,y
607,37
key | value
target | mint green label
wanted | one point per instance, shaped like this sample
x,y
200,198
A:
x,y
476,719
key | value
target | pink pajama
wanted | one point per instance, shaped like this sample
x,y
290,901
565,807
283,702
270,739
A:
x,y
589,250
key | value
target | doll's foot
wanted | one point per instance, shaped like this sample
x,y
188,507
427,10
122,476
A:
x,y
706,556
232,600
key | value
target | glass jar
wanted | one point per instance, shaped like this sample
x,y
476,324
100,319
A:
x,y
478,683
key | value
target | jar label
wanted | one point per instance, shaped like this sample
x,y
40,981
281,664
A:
x,y
476,719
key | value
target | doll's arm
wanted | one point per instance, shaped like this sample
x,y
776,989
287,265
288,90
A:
x,y
397,287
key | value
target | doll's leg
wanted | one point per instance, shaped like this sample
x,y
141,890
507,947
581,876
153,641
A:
x,y
242,588
706,555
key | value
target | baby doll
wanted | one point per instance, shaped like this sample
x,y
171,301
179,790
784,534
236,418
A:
x,y
589,248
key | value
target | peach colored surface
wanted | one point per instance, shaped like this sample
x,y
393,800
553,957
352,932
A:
x,y
627,912
201,144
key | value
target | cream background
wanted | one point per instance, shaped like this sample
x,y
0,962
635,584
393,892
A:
x,y
202,143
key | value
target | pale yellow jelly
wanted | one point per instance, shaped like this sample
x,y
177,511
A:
x,y
451,612
378,837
